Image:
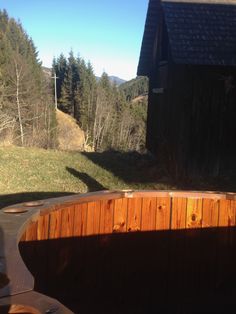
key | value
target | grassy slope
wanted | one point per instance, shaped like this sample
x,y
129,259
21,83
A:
x,y
25,169
70,135
30,173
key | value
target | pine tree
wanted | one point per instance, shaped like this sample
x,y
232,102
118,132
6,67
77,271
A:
x,y
101,108
22,85
59,67
86,96
69,88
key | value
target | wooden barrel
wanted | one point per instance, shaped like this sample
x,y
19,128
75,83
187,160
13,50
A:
x,y
128,251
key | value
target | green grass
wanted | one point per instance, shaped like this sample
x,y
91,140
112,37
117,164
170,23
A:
x,y
30,170
31,173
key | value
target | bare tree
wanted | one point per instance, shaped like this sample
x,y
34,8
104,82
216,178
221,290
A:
x,y
18,78
103,121
6,122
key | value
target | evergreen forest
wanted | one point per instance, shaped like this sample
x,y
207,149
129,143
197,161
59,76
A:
x,y
111,116
27,115
105,112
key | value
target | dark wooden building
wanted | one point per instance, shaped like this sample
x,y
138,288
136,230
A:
x,y
189,54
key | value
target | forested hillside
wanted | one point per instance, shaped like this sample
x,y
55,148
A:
x,y
108,117
135,88
103,110
27,117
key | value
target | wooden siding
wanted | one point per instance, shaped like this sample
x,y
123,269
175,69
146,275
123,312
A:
x,y
132,215
171,251
190,127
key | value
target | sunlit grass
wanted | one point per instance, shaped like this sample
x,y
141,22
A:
x,y
30,170
32,173
36,171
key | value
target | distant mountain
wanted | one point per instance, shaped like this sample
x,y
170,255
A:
x,y
135,88
114,79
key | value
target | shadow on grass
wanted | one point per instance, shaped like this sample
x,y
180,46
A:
x,y
92,184
11,199
136,168
128,166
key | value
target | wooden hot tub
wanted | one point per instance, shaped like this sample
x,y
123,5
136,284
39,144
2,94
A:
x,y
120,252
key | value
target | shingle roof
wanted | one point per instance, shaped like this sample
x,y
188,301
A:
x,y
145,60
200,32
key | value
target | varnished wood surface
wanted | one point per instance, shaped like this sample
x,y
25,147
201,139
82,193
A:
x,y
112,213
31,303
131,211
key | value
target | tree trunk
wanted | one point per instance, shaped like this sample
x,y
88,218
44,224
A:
x,y
18,73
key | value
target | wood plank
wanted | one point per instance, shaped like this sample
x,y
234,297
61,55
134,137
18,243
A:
x,y
41,251
134,214
20,309
178,212
193,244
120,215
67,223
93,218
43,227
210,213
149,209
194,213
233,210
23,237
175,273
226,248
31,231
80,219
55,224
106,220
163,213
226,214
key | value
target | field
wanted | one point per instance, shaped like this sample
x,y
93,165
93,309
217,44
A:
x,y
31,173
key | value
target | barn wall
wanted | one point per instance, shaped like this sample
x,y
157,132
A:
x,y
191,126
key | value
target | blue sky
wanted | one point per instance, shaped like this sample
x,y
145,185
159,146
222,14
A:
x,y
106,32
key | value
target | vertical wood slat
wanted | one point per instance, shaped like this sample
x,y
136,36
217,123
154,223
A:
x,y
191,246
178,219
194,213
106,218
93,218
163,213
233,208
120,215
42,249
67,221
210,213
177,250
134,214
149,207
23,237
55,224
226,214
80,219
226,239
31,231
43,227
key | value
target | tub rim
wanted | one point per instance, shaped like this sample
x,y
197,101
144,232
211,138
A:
x,y
12,226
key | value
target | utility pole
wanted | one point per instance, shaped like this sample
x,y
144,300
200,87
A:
x,y
55,88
